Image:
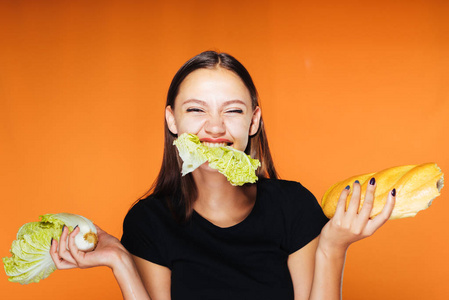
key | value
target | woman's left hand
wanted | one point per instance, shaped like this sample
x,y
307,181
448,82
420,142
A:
x,y
349,226
66,255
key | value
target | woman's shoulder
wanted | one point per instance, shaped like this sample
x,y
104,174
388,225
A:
x,y
284,187
289,195
148,208
298,206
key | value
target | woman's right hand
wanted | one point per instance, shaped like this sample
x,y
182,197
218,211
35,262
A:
x,y
109,252
66,255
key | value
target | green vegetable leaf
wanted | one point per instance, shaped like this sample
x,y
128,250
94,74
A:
x,y
238,167
191,151
31,261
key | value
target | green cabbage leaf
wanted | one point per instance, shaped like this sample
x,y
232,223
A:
x,y
31,260
238,167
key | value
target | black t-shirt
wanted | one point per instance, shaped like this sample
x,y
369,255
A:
x,y
244,261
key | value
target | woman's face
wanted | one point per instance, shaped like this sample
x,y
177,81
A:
x,y
215,105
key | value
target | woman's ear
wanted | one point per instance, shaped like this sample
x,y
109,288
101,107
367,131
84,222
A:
x,y
255,121
170,119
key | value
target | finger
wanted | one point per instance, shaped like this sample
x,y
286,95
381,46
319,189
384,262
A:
x,y
341,204
385,214
74,251
368,202
54,252
71,240
355,199
63,238
62,251
59,262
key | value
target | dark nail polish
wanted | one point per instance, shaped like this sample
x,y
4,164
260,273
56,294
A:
x,y
63,226
393,193
372,181
51,242
347,187
357,181
75,227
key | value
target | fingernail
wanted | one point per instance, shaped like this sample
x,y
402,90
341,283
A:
x,y
347,187
75,227
393,192
357,181
51,243
63,226
372,181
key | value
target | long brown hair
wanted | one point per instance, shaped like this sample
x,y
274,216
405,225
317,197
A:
x,y
180,191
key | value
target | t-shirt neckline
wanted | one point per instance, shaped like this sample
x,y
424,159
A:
x,y
209,224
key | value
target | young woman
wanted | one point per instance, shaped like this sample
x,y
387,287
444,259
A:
x,y
199,237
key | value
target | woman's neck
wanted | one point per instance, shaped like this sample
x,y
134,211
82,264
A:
x,y
220,202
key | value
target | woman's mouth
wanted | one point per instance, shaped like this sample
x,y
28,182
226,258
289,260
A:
x,y
211,145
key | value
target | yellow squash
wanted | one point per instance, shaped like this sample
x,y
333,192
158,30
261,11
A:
x,y
416,186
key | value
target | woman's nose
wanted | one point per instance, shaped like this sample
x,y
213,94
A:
x,y
215,125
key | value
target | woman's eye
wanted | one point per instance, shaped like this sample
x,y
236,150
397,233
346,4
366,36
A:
x,y
235,111
194,109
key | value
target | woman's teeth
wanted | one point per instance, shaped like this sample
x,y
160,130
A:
x,y
214,144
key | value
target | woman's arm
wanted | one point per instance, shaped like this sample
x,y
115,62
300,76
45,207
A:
x,y
109,252
301,265
328,252
345,228
156,278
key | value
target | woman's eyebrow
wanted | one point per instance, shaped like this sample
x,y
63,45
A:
x,y
234,102
204,103
200,102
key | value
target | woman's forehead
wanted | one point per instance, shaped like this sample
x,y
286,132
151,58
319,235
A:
x,y
217,83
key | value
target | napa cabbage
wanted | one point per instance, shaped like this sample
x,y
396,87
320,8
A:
x,y
31,260
238,167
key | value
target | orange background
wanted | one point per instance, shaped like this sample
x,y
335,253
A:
x,y
347,87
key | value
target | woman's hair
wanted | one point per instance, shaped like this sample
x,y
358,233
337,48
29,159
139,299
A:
x,y
180,191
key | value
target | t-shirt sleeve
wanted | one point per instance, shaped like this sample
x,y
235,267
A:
x,y
141,236
305,219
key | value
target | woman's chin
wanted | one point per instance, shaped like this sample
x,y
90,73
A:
x,y
207,173
207,168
